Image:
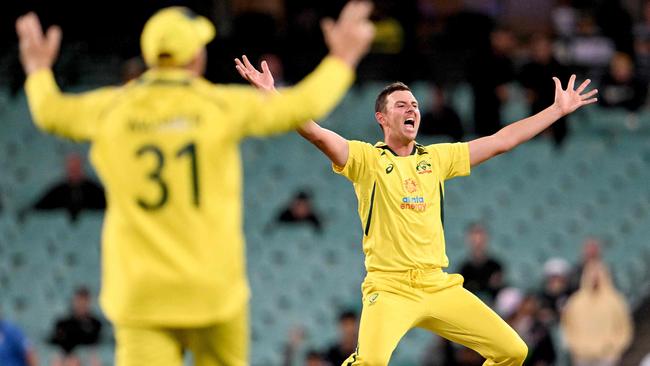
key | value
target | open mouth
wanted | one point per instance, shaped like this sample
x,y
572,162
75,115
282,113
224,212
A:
x,y
410,122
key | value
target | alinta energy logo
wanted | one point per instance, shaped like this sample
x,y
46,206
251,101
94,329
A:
x,y
414,202
423,167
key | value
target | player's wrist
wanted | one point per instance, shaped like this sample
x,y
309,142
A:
x,y
34,67
347,58
557,111
270,89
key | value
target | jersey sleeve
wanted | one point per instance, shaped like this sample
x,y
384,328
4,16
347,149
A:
x,y
359,161
73,116
256,113
453,159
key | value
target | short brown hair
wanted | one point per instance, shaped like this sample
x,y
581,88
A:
x,y
380,103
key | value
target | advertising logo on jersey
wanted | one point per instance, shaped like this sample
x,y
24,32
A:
x,y
423,167
413,201
389,168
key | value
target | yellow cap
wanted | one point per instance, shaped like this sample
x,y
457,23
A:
x,y
174,36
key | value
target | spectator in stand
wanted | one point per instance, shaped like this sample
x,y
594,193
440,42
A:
x,y
564,18
589,51
596,320
646,360
303,29
442,119
75,193
294,348
295,354
556,291
300,210
389,36
489,79
620,88
80,328
525,320
347,342
275,65
386,59
256,24
132,69
535,77
616,23
15,349
591,251
483,274
443,352
508,301
642,44
315,358
438,352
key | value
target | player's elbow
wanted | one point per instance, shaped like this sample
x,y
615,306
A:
x,y
310,136
42,118
44,113
313,133
518,352
504,142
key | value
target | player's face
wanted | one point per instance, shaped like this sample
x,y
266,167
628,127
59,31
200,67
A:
x,y
401,117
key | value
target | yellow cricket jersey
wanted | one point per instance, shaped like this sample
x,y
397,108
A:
x,y
166,148
401,202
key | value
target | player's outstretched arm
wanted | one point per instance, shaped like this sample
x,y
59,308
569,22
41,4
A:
x,y
70,116
566,101
330,143
348,39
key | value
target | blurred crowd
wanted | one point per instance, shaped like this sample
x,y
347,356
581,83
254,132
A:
x,y
74,336
487,45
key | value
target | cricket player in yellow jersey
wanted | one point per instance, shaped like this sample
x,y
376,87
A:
x,y
400,188
166,149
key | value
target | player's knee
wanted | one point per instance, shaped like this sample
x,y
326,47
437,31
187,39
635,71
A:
x,y
371,360
517,351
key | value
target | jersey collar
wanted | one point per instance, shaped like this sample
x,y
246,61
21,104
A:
x,y
417,148
170,75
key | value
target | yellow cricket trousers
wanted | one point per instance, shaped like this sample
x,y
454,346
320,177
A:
x,y
394,302
221,344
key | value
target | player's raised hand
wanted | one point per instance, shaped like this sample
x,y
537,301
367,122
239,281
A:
x,y
261,80
350,36
37,50
568,100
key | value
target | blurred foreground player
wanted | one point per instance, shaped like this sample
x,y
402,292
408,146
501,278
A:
x,y
166,148
400,188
